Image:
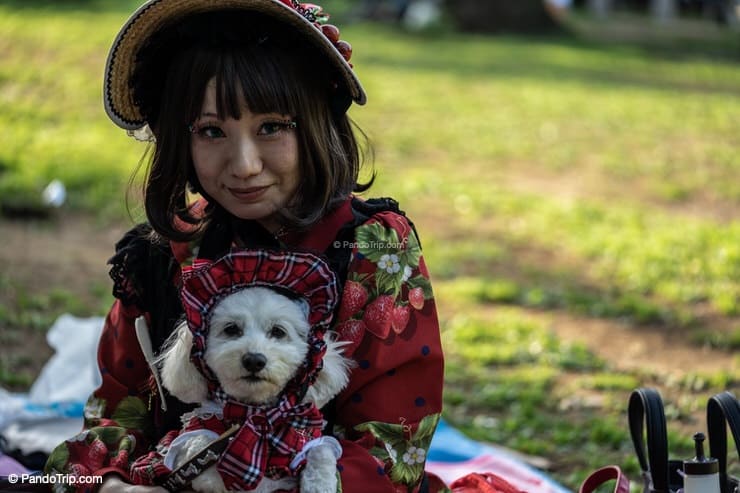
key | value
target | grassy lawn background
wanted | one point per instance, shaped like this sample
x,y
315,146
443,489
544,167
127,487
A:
x,y
550,178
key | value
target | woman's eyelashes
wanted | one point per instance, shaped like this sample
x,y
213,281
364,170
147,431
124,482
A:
x,y
209,131
275,127
270,128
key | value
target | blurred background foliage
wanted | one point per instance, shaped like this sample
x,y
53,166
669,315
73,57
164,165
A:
x,y
574,181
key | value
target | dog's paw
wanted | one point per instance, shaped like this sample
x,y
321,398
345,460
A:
x,y
325,485
320,473
209,481
268,485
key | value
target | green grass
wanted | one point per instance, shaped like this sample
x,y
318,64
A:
x,y
547,176
52,117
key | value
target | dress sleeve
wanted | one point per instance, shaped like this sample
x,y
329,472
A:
x,y
118,424
387,415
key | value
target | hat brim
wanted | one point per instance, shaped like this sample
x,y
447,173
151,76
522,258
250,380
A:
x,y
156,14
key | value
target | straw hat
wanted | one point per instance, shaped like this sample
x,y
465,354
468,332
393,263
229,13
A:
x,y
153,15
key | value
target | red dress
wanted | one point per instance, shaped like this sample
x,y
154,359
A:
x,y
386,416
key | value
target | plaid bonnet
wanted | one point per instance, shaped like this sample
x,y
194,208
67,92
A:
x,y
297,274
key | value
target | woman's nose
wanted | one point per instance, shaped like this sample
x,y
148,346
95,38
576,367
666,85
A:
x,y
246,160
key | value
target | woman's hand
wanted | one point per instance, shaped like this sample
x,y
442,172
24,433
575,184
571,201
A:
x,y
114,484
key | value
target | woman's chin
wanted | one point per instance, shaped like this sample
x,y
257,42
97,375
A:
x,y
252,212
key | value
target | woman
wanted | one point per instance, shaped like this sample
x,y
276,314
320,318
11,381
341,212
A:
x,y
245,102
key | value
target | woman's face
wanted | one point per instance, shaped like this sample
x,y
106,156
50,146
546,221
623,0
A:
x,y
249,166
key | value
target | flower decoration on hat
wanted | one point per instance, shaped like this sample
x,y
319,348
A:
x,y
316,15
302,275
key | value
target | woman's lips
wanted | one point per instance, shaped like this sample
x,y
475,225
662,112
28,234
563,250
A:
x,y
250,194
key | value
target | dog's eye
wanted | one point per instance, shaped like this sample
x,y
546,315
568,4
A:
x,y
277,332
232,330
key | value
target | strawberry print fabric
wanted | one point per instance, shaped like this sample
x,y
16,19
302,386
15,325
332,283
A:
x,y
387,311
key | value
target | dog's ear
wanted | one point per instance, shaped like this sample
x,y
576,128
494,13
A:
x,y
334,376
304,305
179,374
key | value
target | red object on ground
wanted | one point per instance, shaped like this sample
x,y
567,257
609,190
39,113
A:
x,y
483,483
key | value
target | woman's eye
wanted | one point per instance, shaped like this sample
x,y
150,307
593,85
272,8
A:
x,y
232,330
211,132
272,128
207,131
277,332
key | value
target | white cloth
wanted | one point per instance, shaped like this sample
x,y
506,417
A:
x,y
72,373
52,411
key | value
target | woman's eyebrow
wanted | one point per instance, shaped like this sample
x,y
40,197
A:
x,y
208,114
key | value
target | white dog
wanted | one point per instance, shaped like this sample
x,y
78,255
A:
x,y
257,340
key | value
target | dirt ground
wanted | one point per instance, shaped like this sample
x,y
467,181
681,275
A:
x,y
66,254
69,253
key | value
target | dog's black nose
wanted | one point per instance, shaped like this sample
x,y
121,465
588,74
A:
x,y
254,362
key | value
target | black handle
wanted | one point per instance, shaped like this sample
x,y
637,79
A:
x,y
723,409
646,407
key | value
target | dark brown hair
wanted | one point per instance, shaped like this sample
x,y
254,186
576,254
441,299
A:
x,y
253,57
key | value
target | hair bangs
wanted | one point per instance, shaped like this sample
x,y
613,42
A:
x,y
252,77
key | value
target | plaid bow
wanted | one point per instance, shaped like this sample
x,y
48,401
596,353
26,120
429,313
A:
x,y
267,441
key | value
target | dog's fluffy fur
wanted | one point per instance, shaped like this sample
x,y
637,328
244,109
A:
x,y
256,324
